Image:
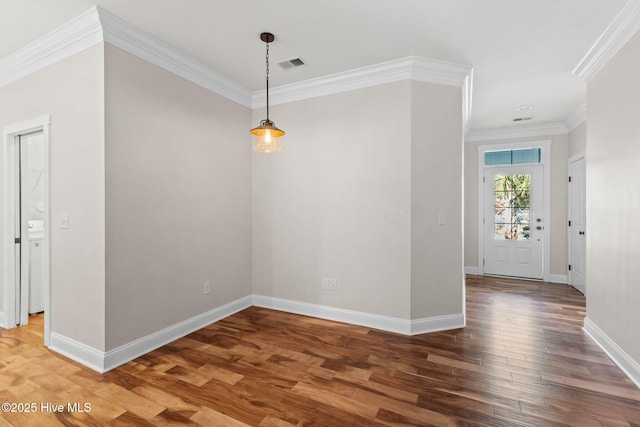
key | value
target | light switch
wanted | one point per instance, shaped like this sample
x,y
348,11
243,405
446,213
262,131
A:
x,y
442,219
64,221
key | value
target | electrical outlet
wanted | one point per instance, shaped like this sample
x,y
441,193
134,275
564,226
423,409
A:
x,y
325,284
207,288
333,284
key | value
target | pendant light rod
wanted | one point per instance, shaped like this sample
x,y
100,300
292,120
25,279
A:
x,y
267,134
267,38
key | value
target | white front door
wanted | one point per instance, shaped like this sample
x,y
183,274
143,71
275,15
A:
x,y
513,221
577,224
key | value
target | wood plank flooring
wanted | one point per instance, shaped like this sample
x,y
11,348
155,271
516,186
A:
x,y
523,360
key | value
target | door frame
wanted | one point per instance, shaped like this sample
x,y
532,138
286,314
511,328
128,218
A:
x,y
11,137
571,160
545,146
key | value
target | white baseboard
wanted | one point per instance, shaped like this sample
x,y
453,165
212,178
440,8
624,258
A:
x,y
437,323
105,361
468,269
558,278
81,353
101,361
127,352
630,367
553,278
391,324
385,323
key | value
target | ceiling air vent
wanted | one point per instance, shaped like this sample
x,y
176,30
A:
x,y
522,119
291,63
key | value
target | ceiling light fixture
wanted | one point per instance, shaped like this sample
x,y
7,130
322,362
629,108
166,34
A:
x,y
267,133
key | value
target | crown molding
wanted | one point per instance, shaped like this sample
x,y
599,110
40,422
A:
x,y
544,129
408,68
576,118
97,25
82,32
622,28
125,36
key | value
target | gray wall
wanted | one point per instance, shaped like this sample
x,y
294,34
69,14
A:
x,y
436,187
613,202
76,106
355,196
178,198
336,203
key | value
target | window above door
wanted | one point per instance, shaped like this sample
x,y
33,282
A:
x,y
513,157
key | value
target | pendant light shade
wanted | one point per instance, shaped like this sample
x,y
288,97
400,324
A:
x,y
267,133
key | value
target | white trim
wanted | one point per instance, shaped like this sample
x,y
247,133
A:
x,y
2,320
467,100
546,163
630,367
75,350
385,323
121,34
101,361
470,270
575,157
97,25
127,352
10,132
558,278
534,131
576,118
622,28
408,68
82,32
437,324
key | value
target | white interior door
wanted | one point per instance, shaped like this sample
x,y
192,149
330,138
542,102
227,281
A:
x,y
514,221
25,207
22,232
577,224
29,225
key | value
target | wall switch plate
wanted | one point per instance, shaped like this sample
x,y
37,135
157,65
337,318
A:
x,y
207,288
325,284
64,221
333,284
442,218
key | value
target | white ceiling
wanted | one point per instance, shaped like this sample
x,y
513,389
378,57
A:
x,y
523,52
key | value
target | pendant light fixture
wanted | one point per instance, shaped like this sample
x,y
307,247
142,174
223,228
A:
x,y
267,134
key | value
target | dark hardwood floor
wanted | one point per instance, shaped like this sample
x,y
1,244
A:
x,y
523,360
